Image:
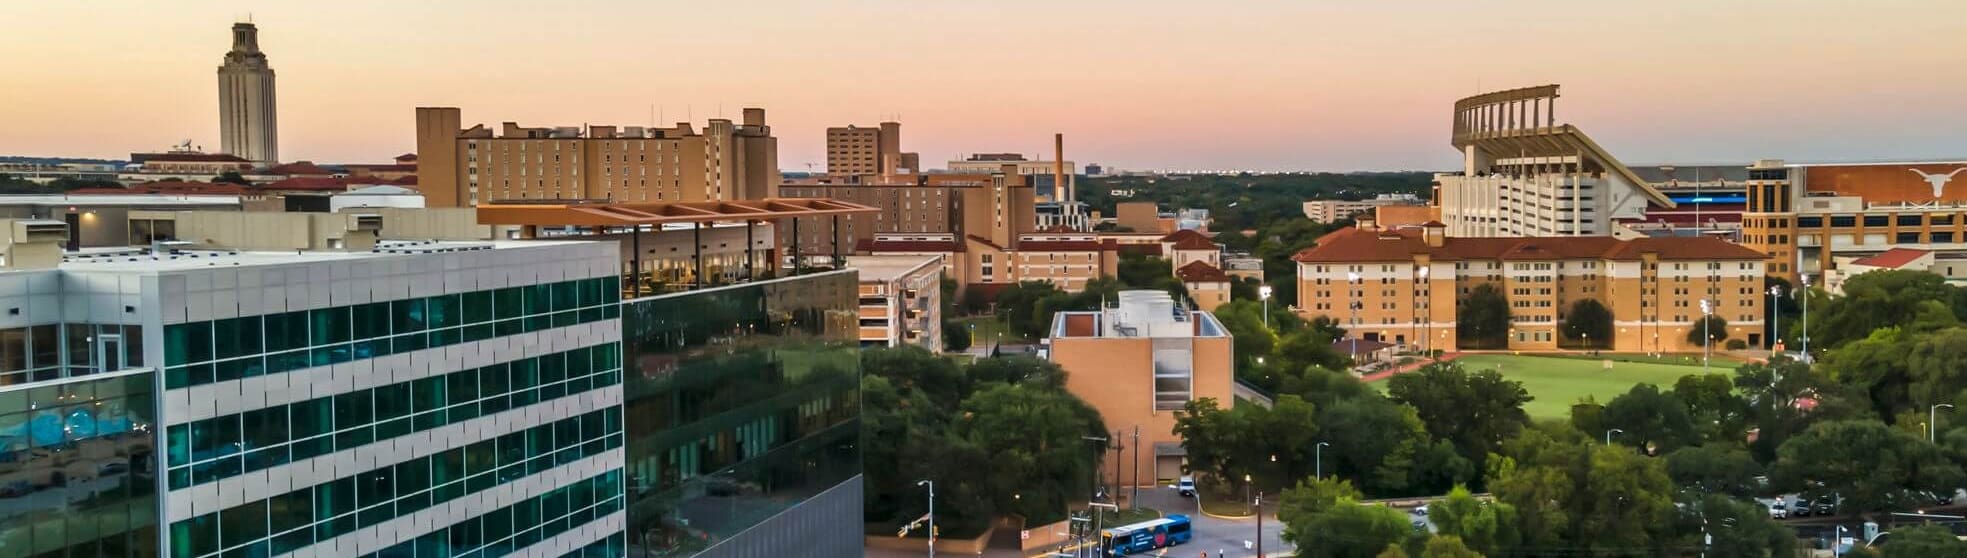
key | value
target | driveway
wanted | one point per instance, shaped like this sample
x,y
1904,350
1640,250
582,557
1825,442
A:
x,y
1213,534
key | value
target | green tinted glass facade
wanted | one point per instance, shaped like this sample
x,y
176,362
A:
x,y
77,468
300,518
221,447
742,402
197,353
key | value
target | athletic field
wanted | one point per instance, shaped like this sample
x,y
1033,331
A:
x,y
1557,383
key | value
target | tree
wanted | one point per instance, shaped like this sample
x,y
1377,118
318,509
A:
x,y
1014,369
1032,433
1589,323
1142,271
1774,392
1883,298
1380,443
1937,366
1482,319
1474,411
956,337
1447,547
1924,541
912,369
1738,527
232,177
1716,468
1652,421
1878,365
1348,529
1719,414
1709,329
1864,462
1576,494
1313,496
1486,527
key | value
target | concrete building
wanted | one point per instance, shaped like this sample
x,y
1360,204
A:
x,y
1328,211
1808,218
1525,174
1137,363
919,204
1141,217
99,220
381,195
423,397
249,124
1403,286
901,300
186,163
726,161
1207,286
869,152
1043,176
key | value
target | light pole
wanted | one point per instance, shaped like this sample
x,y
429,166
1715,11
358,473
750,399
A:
x,y
1707,339
1932,422
1609,433
1837,538
1263,292
1775,325
1352,288
1318,460
1804,337
1246,487
1260,524
932,514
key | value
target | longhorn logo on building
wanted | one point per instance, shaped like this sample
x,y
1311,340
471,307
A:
x,y
1939,181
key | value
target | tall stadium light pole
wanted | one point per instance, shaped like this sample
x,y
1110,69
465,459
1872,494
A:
x,y
1263,292
1804,336
1352,286
1427,331
1775,318
1933,422
1707,338
932,514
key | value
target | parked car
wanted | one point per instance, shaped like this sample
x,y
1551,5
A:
x,y
1778,510
1186,486
1825,506
1799,507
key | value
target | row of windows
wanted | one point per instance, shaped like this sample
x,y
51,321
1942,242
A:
x,y
221,447
220,350
300,518
614,546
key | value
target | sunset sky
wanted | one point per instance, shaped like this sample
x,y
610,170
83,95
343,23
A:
x,y
1136,84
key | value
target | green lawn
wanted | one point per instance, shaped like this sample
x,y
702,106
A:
x,y
1557,383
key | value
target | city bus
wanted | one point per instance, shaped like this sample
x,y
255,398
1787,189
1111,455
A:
x,y
1146,536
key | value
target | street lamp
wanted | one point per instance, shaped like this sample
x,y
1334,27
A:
x,y
1707,339
1775,326
1318,460
1804,337
1263,292
1246,489
932,514
1352,286
1932,422
1609,433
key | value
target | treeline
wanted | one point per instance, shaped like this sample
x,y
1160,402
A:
x,y
1868,430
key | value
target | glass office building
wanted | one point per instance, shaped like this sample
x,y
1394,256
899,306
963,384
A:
x,y
440,399
743,410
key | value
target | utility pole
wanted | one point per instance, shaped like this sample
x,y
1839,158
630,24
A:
x,y
1097,450
1119,452
932,515
1134,501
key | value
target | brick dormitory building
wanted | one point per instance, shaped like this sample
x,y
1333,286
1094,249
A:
x,y
1408,283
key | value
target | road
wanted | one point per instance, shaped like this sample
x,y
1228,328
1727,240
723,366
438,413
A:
x,y
1212,534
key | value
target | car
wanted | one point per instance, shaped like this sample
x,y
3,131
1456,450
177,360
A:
x,y
1778,510
1186,486
1420,510
1825,506
1799,507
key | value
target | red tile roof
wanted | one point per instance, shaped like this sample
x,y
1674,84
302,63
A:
x,y
300,168
1196,242
872,245
1184,234
167,188
187,157
406,158
308,183
1892,259
1201,272
1356,245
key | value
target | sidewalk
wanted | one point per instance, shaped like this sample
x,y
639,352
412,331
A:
x,y
1410,367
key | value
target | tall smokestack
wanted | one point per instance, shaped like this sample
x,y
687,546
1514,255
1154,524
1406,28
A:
x,y
1059,185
